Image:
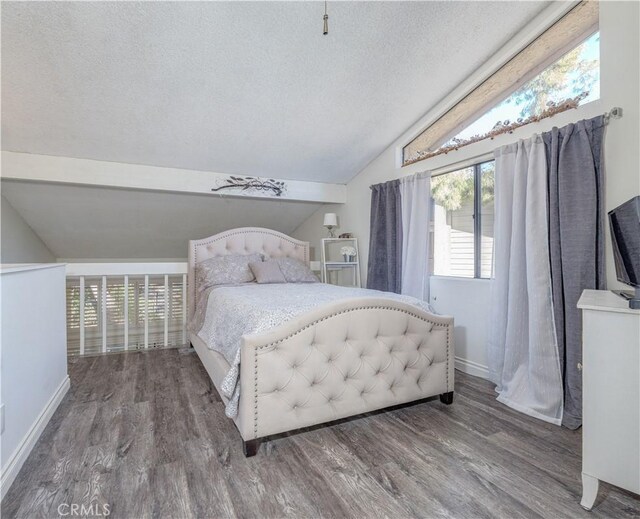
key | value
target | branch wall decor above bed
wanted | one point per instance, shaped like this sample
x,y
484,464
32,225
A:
x,y
252,185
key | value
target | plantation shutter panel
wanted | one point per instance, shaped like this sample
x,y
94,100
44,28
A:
x,y
112,317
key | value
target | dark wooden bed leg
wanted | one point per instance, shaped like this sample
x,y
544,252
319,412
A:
x,y
250,447
447,398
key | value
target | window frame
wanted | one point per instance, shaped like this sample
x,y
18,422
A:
x,y
477,217
573,27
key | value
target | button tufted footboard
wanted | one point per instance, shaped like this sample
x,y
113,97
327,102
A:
x,y
341,360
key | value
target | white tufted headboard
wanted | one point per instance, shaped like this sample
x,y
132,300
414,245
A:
x,y
245,240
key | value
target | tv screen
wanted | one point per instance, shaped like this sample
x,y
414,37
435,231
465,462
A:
x,y
625,235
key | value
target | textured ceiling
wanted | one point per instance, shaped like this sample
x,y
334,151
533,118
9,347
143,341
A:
x,y
236,87
98,223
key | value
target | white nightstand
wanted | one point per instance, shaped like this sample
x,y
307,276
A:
x,y
336,269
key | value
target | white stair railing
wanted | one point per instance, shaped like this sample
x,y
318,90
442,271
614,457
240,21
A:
x,y
115,307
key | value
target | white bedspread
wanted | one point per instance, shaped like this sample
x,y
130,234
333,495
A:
x,y
224,314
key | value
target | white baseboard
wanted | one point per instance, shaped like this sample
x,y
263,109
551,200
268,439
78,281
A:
x,y
472,368
23,450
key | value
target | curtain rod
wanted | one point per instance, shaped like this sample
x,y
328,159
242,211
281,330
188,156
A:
x,y
614,113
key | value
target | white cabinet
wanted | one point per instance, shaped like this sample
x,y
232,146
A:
x,y
610,394
338,268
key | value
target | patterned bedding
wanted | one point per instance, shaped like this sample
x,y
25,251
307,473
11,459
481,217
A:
x,y
225,313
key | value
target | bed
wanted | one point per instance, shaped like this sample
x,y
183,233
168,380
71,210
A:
x,y
339,359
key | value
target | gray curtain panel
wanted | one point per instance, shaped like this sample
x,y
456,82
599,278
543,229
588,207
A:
x,y
576,241
384,270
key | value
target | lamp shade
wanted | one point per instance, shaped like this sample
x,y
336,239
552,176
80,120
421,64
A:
x,y
330,219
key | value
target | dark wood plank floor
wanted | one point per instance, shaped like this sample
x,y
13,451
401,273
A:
x,y
142,433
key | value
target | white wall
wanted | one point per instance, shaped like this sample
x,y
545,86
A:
x,y
20,244
619,87
466,299
33,358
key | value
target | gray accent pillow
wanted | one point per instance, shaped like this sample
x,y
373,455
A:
x,y
224,270
267,272
296,272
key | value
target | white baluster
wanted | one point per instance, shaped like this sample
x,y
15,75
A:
x,y
166,310
81,315
126,312
146,311
104,314
184,309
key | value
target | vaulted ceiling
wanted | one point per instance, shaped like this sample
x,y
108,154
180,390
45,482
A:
x,y
249,88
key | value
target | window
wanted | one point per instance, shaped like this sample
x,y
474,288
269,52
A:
x,y
463,222
571,81
549,76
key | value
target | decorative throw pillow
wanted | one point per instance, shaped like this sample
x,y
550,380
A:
x,y
296,272
225,270
267,272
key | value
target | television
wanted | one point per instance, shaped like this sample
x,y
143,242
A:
x,y
624,221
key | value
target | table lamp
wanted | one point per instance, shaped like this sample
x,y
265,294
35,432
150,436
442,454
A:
x,y
331,222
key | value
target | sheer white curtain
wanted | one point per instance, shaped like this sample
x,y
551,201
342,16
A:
x,y
415,194
523,351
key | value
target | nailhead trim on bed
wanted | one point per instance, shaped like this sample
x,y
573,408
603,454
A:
x,y
447,371
283,237
370,307
352,310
